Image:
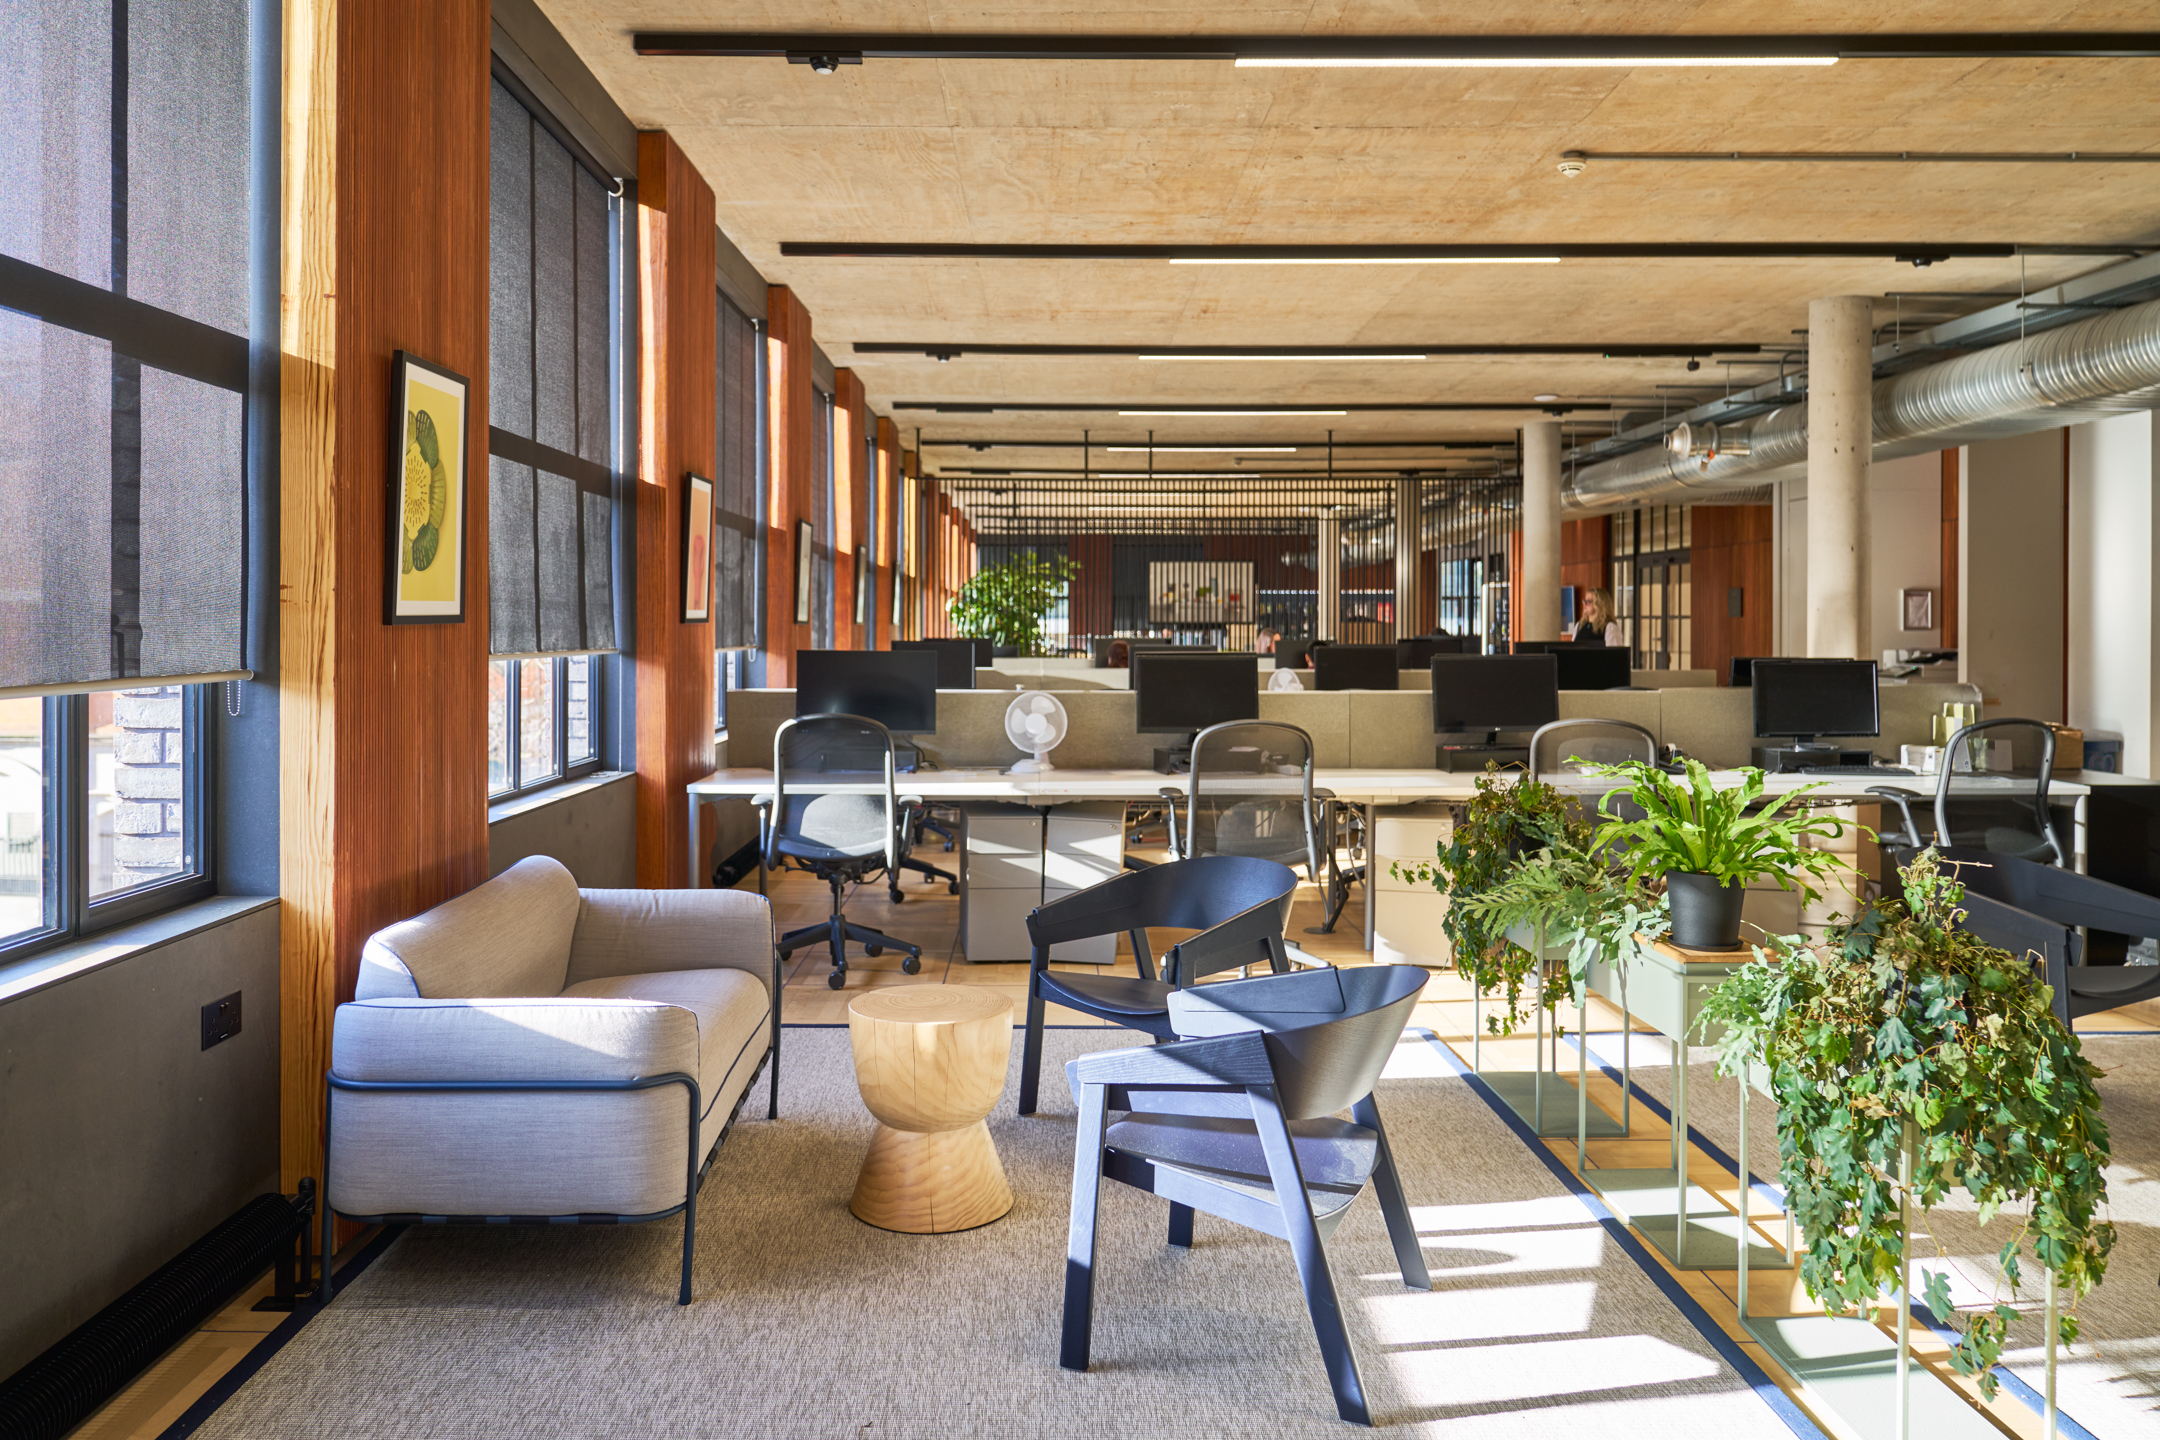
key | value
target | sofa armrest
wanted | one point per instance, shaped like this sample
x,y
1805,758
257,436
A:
x,y
498,1040
640,932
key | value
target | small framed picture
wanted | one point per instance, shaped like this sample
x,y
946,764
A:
x,y
803,559
863,586
426,533
1919,609
697,567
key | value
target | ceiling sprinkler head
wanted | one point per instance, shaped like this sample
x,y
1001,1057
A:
x,y
1572,163
824,64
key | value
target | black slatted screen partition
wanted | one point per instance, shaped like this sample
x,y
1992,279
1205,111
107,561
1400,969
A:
x,y
739,520
550,486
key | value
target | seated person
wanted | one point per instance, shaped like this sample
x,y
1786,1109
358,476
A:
x,y
1597,626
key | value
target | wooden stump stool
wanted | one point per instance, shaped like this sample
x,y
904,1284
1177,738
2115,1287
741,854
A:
x,y
930,1061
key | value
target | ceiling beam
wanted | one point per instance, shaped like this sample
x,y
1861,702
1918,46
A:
x,y
1871,157
953,350
1219,408
1917,252
845,48
1173,446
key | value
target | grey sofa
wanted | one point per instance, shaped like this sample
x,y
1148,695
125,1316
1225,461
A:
x,y
530,1051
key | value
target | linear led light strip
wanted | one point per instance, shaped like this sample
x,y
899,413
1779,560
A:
x,y
1232,412
1282,357
1517,62
1363,260
1202,449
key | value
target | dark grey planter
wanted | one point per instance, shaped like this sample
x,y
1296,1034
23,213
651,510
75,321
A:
x,y
1705,914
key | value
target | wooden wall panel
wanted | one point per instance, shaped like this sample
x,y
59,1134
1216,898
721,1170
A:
x,y
678,433
790,492
1586,553
1730,549
383,731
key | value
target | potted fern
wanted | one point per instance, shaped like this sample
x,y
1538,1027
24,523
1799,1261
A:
x,y
1704,843
1908,1058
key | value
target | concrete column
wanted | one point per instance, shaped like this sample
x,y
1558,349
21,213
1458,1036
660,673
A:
x,y
1840,424
1409,543
1538,597
1329,562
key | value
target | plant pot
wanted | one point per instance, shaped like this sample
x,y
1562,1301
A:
x,y
1705,914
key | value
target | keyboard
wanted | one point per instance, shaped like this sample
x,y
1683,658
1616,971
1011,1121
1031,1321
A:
x,y
1855,770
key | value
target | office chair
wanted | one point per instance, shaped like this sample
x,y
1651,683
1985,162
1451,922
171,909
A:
x,y
937,820
1250,792
1599,742
1239,905
1238,1120
841,835
1990,816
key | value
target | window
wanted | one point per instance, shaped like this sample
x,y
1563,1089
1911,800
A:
x,y
738,496
541,722
555,446
126,294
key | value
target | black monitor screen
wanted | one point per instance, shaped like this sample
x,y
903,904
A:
x,y
896,688
985,652
1494,692
1355,667
1806,698
1416,653
1594,667
1175,693
1743,670
1290,654
955,660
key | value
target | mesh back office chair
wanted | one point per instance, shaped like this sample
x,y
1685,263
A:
x,y
1242,1123
840,836
1238,905
1555,746
1985,812
1251,793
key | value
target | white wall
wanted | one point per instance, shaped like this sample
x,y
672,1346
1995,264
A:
x,y
1905,546
2010,569
2114,541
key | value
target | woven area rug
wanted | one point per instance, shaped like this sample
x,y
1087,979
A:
x,y
809,1323
2108,1384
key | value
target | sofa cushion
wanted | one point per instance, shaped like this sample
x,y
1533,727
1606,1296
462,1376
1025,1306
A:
x,y
732,1014
507,937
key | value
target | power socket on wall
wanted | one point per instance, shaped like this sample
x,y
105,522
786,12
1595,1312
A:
x,y
220,1020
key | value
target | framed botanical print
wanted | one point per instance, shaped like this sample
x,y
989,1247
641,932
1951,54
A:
x,y
1919,609
426,534
697,565
804,558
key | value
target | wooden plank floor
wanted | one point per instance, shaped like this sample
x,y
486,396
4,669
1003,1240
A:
x,y
931,918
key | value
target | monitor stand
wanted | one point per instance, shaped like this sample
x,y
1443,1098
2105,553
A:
x,y
1459,758
906,758
1805,754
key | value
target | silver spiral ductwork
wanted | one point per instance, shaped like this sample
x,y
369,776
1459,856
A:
x,y
2107,365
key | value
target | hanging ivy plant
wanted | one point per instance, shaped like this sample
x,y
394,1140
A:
x,y
1900,1016
1506,819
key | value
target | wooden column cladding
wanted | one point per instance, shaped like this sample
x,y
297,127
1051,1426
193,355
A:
x,y
382,728
791,493
678,435
851,499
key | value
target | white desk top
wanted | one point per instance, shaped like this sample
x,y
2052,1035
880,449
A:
x,y
1380,787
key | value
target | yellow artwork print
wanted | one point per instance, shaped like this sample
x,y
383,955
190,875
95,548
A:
x,y
428,520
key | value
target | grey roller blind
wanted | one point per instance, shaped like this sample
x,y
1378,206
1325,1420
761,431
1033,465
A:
x,y
738,494
123,339
553,233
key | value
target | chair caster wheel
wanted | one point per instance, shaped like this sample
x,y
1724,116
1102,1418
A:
x,y
953,888
836,980
873,949
897,896
911,966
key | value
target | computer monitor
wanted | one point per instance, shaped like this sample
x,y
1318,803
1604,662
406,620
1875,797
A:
x,y
1494,692
1594,667
985,652
1743,671
1416,653
1807,698
1356,667
955,660
1177,694
896,688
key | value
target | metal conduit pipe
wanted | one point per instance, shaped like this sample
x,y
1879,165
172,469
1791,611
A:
x,y
2108,365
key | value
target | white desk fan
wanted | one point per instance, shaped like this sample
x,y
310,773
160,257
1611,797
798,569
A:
x,y
1035,721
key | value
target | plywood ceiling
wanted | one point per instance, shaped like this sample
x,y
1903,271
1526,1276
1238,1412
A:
x,y
1176,152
